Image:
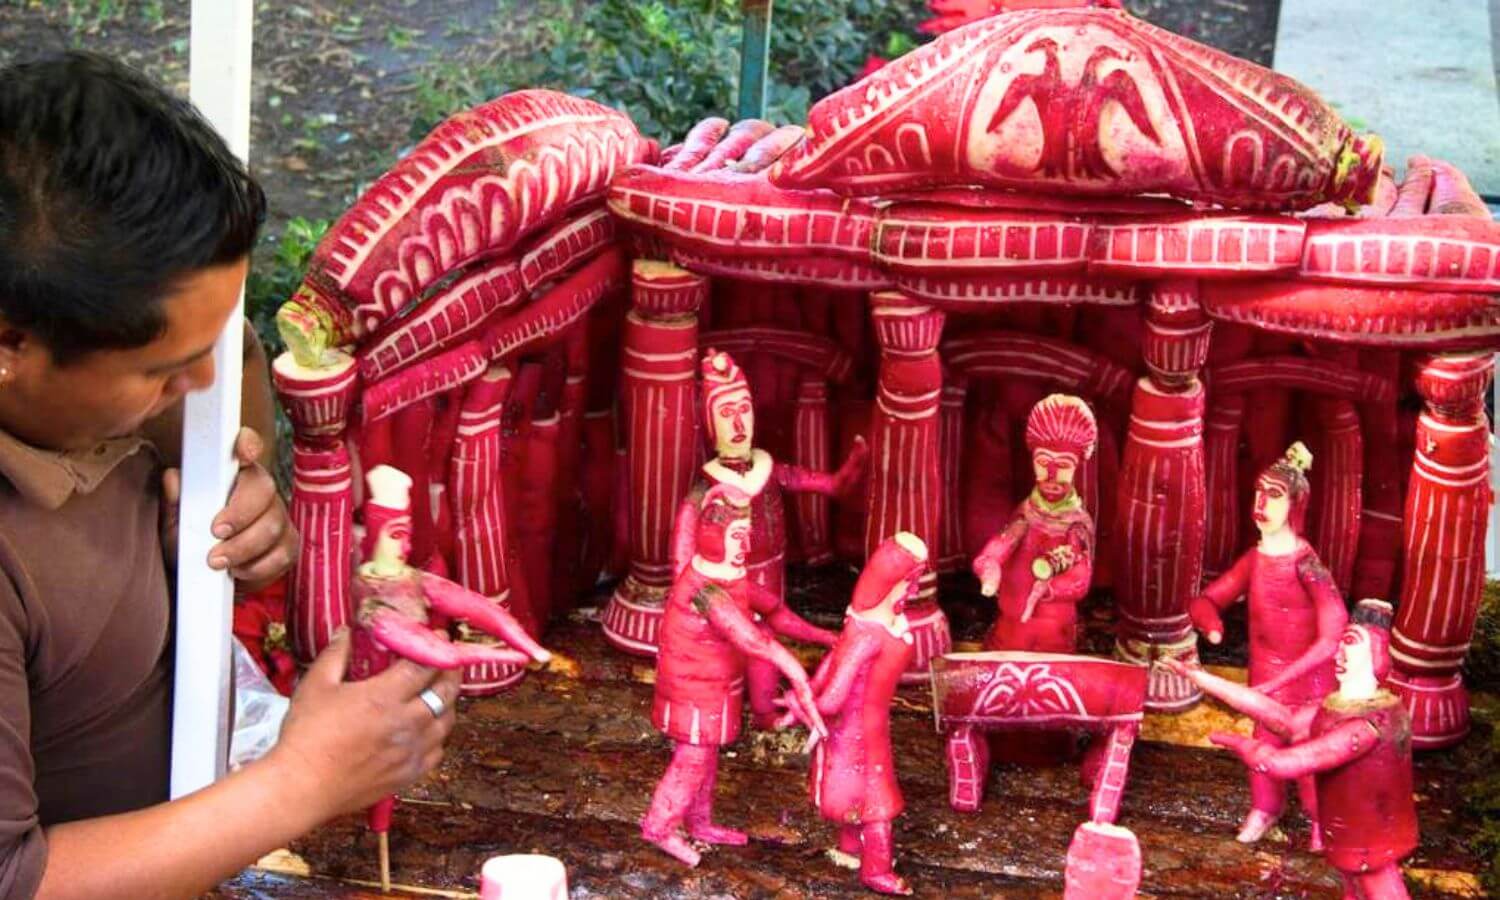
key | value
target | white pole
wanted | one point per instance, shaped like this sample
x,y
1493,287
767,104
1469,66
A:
x,y
219,71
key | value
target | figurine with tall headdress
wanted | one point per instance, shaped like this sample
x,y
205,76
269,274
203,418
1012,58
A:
x,y
1040,565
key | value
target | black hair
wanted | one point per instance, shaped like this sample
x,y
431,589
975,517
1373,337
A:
x,y
111,191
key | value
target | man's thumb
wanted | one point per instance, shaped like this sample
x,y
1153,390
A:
x,y
333,662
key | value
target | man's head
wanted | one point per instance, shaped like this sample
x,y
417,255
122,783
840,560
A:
x,y
892,575
1363,659
727,407
1061,434
1282,492
125,228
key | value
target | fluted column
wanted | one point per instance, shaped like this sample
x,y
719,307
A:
x,y
317,400
905,484
322,511
659,394
1161,521
1447,510
950,547
811,439
477,499
1337,490
1221,451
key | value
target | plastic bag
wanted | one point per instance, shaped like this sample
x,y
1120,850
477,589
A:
x,y
258,710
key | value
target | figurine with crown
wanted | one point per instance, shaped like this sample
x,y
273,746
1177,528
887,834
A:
x,y
1355,746
708,632
1296,618
1040,565
729,420
853,774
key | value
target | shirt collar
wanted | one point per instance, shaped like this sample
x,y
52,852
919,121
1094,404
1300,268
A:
x,y
48,478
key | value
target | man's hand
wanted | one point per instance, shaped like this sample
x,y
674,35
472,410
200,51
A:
x,y
1206,619
352,743
988,573
257,542
851,475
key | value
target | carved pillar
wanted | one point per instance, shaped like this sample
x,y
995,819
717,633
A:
x,y
567,562
811,437
1337,487
950,546
1161,522
322,511
1380,524
660,348
477,500
1221,452
317,400
905,484
1447,508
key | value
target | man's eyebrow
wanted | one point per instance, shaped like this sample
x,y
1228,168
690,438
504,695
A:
x,y
179,363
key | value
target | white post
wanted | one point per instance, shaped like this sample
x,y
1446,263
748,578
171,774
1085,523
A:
x,y
219,71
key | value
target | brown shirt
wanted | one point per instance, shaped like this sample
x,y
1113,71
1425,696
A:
x,y
84,671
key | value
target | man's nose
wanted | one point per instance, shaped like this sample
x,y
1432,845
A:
x,y
197,377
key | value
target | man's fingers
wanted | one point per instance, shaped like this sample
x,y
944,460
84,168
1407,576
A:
x,y
253,493
248,447
251,543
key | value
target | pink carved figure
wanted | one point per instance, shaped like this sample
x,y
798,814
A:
x,y
392,602
1296,618
729,419
707,631
1041,563
853,776
1355,745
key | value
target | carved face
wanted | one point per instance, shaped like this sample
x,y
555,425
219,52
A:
x,y
1054,474
1356,657
1273,504
394,542
734,424
737,542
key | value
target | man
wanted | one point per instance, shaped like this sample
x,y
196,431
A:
x,y
125,230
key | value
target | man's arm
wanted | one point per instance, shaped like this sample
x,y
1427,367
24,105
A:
x,y
1204,609
784,621
343,747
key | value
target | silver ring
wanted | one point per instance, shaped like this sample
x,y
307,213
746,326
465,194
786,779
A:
x,y
433,701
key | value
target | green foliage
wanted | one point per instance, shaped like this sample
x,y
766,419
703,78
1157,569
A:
x,y
1482,673
275,271
87,15
1483,799
1482,667
670,63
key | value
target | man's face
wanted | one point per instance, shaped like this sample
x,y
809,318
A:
x,y
110,393
1054,474
734,424
1355,656
1273,503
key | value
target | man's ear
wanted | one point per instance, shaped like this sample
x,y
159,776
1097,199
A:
x,y
15,345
